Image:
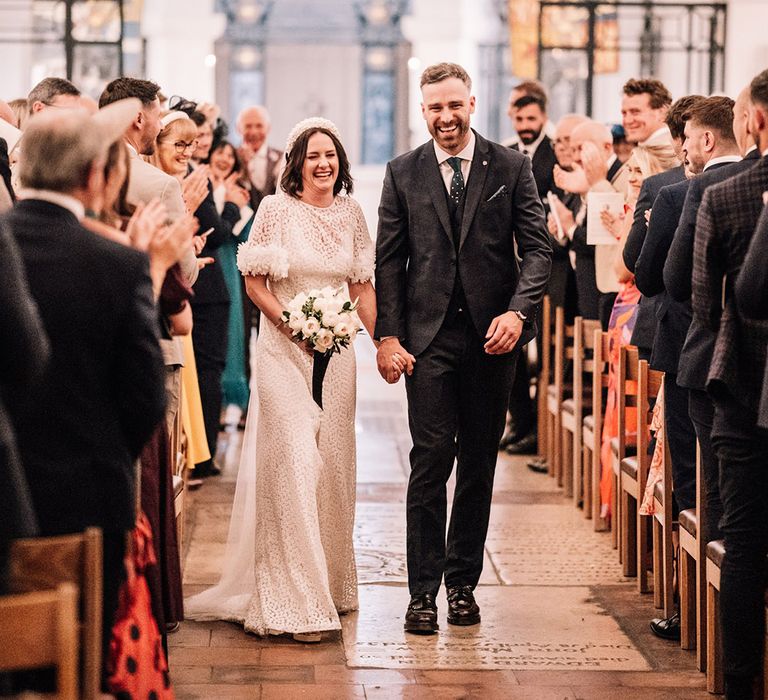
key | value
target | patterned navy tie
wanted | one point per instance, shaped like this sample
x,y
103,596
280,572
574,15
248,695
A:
x,y
457,181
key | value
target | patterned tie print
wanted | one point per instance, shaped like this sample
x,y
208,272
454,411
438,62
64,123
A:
x,y
457,181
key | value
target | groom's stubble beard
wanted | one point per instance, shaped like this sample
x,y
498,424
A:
x,y
447,143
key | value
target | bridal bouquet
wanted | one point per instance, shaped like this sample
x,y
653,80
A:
x,y
327,320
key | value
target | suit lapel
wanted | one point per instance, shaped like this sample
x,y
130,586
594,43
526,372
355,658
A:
x,y
430,171
475,185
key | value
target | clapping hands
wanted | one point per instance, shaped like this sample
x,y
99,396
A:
x,y
234,193
194,188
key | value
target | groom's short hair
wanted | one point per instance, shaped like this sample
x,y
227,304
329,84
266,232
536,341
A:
x,y
442,71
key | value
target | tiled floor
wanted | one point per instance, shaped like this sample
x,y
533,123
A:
x,y
559,620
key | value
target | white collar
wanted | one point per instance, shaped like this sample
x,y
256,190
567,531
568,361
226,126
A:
x,y
263,150
131,150
611,160
722,159
753,147
765,152
466,153
661,136
532,147
65,201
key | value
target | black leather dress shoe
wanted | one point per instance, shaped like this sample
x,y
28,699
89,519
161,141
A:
x,y
462,608
421,616
524,446
667,628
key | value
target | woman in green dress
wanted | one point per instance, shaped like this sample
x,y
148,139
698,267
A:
x,y
225,165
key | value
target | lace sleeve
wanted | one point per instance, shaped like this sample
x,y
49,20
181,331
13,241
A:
x,y
263,253
363,251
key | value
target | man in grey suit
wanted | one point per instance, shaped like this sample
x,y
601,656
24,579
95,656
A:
x,y
454,308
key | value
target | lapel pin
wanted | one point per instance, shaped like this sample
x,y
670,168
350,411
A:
x,y
485,162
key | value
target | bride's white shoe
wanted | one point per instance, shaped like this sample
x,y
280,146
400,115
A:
x,y
304,637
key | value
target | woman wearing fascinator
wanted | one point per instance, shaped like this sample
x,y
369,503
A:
x,y
289,565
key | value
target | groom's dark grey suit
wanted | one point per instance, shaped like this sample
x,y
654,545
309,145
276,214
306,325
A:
x,y
444,271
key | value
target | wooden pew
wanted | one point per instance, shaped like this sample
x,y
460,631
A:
x,y
715,678
634,477
557,392
663,550
40,630
574,411
593,425
43,563
693,575
545,367
624,444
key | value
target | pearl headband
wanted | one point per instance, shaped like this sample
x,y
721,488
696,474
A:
x,y
307,125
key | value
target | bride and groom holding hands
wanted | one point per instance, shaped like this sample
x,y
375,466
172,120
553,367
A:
x,y
462,260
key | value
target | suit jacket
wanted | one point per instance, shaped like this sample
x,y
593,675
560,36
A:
x,y
145,182
672,318
274,161
543,166
210,287
678,273
586,278
24,355
417,261
645,324
724,228
103,393
752,293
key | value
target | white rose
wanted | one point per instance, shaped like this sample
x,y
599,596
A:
x,y
345,318
310,327
296,322
298,301
356,321
324,340
341,329
330,318
320,304
328,292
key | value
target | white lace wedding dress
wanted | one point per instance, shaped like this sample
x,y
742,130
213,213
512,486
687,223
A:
x,y
289,563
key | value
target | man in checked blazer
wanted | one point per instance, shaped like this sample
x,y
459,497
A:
x,y
724,228
454,309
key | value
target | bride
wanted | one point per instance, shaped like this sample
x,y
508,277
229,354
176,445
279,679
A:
x,y
289,564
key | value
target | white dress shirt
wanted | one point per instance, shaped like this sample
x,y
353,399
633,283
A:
x,y
721,159
466,154
530,149
660,137
257,167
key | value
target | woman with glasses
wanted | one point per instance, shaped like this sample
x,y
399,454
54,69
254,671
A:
x,y
176,145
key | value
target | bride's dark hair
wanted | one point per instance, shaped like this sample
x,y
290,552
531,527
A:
x,y
291,181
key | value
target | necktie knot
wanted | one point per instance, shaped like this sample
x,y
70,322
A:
x,y
455,163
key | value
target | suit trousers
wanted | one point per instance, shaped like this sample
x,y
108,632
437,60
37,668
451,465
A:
x,y
742,448
605,307
457,401
702,413
209,335
682,443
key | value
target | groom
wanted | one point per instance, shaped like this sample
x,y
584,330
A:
x,y
454,308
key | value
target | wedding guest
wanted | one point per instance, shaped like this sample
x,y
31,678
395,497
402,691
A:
x,y
204,137
210,305
594,167
528,88
261,167
709,144
290,565
460,336
102,394
644,162
24,355
20,112
53,92
698,348
726,222
645,326
225,165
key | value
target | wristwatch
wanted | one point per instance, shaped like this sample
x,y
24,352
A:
x,y
520,315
